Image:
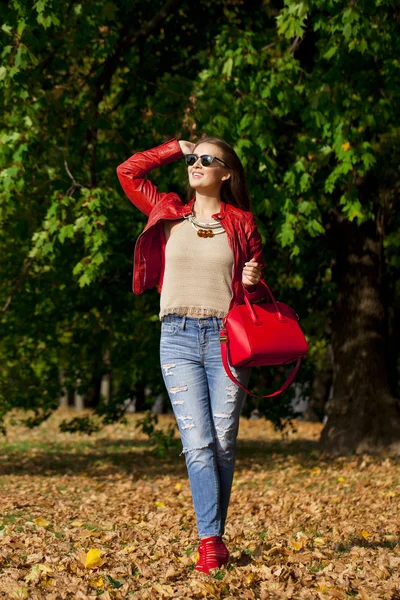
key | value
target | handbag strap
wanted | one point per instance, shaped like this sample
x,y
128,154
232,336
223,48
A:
x,y
224,354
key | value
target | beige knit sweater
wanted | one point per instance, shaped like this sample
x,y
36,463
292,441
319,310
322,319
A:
x,y
198,274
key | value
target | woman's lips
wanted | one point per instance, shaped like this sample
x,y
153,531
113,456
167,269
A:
x,y
196,175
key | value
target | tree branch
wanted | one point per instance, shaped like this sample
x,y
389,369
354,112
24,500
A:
x,y
102,81
18,284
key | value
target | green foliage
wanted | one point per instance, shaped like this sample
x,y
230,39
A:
x,y
307,93
80,424
162,440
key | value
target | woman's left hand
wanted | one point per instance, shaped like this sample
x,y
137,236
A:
x,y
251,273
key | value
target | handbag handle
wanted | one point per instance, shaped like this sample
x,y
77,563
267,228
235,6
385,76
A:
x,y
253,317
224,354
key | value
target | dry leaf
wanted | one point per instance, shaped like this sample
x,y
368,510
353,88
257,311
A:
x,y
295,545
41,521
19,593
99,582
365,534
319,541
37,571
91,559
290,529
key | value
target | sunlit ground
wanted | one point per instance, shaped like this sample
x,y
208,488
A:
x,y
88,516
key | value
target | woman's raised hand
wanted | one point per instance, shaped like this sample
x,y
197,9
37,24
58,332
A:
x,y
186,147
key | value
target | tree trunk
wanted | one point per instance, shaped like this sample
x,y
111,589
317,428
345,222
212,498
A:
x,y
363,416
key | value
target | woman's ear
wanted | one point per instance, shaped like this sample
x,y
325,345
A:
x,y
225,177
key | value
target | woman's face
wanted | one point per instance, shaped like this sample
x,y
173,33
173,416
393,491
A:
x,y
208,178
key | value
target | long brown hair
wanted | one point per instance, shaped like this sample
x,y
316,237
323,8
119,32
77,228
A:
x,y
234,190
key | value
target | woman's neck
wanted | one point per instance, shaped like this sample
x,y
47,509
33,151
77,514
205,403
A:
x,y
205,206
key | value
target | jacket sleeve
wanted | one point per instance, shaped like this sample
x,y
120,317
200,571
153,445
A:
x,y
255,293
131,174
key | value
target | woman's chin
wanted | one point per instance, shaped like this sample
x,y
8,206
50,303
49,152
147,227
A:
x,y
195,184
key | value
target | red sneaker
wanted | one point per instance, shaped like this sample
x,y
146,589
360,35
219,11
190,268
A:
x,y
213,554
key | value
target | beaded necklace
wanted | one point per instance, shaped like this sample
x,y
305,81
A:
x,y
205,229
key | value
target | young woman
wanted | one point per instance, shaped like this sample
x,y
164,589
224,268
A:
x,y
203,255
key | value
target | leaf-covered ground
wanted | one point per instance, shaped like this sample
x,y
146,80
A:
x,y
88,516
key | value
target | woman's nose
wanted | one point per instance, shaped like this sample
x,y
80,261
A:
x,y
198,159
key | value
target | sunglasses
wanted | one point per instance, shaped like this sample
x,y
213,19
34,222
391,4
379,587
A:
x,y
205,159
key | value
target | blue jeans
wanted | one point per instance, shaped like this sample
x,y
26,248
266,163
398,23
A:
x,y
207,406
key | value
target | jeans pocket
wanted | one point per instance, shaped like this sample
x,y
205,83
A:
x,y
169,328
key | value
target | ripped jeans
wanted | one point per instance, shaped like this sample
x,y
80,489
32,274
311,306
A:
x,y
207,406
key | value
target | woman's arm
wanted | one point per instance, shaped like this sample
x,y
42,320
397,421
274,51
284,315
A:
x,y
255,293
131,174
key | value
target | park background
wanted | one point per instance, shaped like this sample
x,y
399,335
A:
x,y
308,94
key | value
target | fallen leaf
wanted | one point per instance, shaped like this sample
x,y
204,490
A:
x,y
319,541
99,582
37,571
365,534
77,523
296,546
41,521
91,559
20,593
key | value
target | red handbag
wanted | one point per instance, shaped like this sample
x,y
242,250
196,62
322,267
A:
x,y
258,335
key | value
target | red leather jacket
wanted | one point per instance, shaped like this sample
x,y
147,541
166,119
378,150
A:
x,y
149,256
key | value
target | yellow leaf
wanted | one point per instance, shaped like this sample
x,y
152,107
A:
x,y
319,541
346,146
97,582
365,534
77,523
91,559
315,471
341,479
45,569
390,494
159,504
130,548
296,546
322,588
251,578
178,487
41,522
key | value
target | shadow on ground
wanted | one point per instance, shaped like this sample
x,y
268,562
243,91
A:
x,y
104,458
